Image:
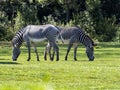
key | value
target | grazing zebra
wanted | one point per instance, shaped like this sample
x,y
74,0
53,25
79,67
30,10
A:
x,y
33,34
74,35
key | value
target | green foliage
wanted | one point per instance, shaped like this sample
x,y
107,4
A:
x,y
19,22
84,20
3,18
106,29
117,39
97,17
92,4
5,33
29,14
2,33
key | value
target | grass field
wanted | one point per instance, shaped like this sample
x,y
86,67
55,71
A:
x,y
101,74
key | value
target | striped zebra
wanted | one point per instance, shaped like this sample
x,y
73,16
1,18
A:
x,y
74,36
33,34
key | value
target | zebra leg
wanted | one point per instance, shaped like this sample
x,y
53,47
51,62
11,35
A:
x,y
52,55
72,39
75,51
68,50
45,53
35,49
29,51
47,50
55,49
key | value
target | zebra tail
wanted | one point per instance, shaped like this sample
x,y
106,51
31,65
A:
x,y
62,39
59,35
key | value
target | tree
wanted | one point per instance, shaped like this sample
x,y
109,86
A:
x,y
103,25
110,8
99,18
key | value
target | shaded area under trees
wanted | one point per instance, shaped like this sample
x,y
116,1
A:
x,y
99,18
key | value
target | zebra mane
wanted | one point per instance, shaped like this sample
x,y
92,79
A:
x,y
87,36
18,38
94,44
59,28
78,27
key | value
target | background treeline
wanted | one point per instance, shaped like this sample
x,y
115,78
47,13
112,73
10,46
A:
x,y
99,18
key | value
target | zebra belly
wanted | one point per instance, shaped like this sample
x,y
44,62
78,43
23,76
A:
x,y
37,39
64,40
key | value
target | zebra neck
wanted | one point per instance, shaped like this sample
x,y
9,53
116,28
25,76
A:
x,y
18,39
87,42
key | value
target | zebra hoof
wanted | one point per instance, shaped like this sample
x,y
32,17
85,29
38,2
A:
x,y
51,59
75,59
38,60
14,59
57,60
91,59
45,59
28,59
65,58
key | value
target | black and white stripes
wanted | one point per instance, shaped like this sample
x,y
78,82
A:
x,y
75,35
34,34
18,38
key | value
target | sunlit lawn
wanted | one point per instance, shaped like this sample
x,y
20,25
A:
x,y
103,73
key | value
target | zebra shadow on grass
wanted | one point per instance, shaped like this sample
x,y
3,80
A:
x,y
3,61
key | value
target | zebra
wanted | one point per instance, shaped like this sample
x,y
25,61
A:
x,y
74,36
33,34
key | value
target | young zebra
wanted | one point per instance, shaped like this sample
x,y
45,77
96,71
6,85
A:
x,y
74,35
34,33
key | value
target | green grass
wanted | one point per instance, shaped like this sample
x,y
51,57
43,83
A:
x,y
101,74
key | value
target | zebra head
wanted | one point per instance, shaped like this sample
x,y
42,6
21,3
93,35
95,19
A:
x,y
90,53
90,48
15,51
16,43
